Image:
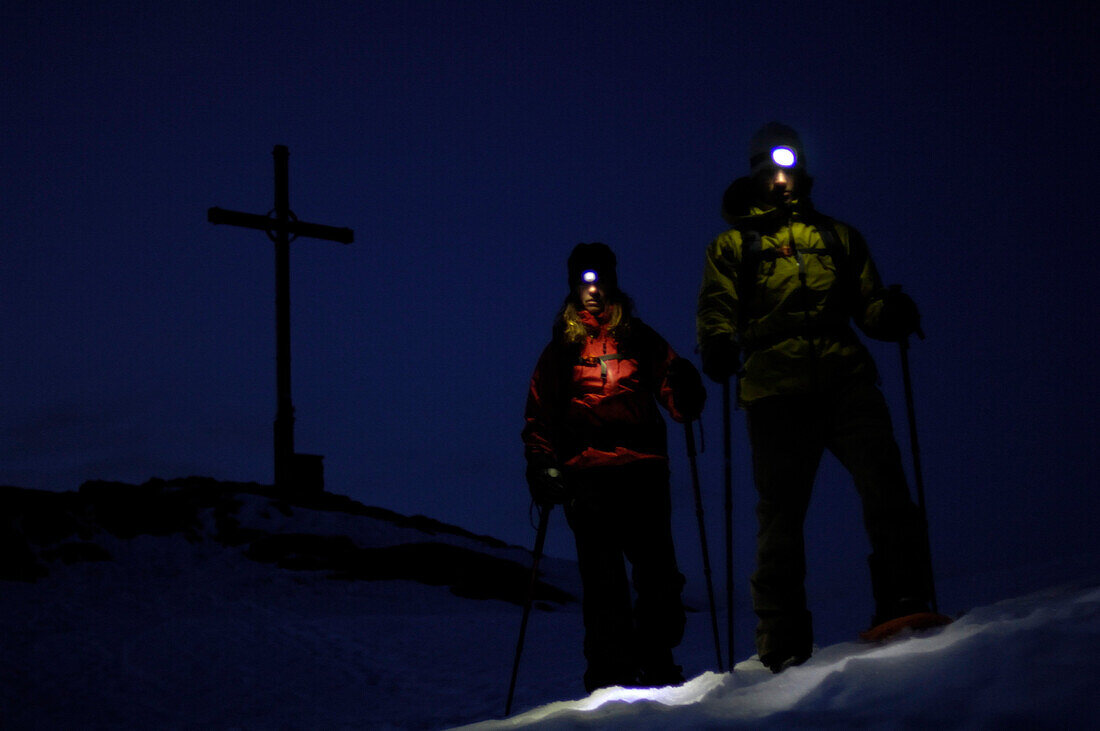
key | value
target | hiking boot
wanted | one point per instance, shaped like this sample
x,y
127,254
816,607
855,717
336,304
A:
x,y
606,677
660,676
777,662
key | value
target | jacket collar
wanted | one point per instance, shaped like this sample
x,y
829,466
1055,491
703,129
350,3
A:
x,y
594,322
740,206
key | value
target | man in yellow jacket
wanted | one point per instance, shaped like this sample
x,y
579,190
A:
x,y
780,289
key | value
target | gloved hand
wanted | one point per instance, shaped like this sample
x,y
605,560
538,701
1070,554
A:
x,y
546,483
899,317
688,394
721,357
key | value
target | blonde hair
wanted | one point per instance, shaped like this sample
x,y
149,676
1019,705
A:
x,y
575,331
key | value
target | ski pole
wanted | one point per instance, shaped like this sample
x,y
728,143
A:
x,y
727,450
903,346
536,555
703,538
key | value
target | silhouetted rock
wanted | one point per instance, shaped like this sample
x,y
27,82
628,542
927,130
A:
x,y
468,573
267,525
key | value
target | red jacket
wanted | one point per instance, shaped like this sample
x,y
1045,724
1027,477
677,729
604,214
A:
x,y
594,404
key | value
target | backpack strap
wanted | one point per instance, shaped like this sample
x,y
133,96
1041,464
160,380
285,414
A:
x,y
752,254
846,273
833,247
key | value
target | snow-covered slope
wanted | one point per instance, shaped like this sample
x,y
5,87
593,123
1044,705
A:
x,y
195,604
200,605
1031,662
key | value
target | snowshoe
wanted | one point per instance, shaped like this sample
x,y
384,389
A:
x,y
917,621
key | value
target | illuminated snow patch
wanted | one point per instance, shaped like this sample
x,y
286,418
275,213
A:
x,y
691,692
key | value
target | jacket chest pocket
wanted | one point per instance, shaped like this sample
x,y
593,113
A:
x,y
593,374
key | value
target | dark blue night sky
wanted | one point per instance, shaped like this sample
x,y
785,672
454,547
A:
x,y
470,146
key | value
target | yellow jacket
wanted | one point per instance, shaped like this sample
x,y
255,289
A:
x,y
785,285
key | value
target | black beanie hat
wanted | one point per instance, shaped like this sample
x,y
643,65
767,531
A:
x,y
769,136
596,257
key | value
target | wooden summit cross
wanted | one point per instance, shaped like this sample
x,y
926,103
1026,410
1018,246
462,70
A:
x,y
282,227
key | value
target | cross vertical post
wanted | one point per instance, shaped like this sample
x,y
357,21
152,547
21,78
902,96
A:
x,y
292,470
284,413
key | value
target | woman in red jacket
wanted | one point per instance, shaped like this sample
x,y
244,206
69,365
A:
x,y
595,442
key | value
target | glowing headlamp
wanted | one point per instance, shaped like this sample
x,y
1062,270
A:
x,y
590,276
784,156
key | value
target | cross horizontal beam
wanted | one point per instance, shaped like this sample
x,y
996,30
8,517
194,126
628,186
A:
x,y
292,227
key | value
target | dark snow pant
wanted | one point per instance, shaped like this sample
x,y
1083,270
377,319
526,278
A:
x,y
625,512
788,436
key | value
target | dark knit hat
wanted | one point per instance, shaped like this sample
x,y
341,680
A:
x,y
766,139
595,257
